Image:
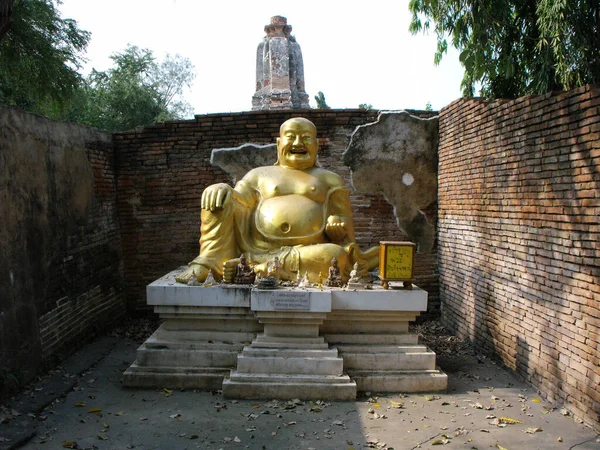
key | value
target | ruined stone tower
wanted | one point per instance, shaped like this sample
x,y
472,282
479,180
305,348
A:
x,y
279,70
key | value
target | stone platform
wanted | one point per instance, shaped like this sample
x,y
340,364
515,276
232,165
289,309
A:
x,y
285,343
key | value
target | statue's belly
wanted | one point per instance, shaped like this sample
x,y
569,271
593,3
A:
x,y
290,217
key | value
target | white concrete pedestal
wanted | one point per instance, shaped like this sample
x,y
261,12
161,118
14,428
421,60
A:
x,y
197,345
371,331
290,360
318,344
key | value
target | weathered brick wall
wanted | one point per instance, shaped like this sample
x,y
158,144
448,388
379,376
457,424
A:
x,y
163,169
60,257
519,237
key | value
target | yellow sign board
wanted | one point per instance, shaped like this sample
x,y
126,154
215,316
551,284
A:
x,y
396,262
399,262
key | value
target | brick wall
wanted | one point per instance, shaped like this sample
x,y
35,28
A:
x,y
519,233
163,169
60,255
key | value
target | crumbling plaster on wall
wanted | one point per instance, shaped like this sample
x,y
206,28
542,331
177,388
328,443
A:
x,y
238,161
397,156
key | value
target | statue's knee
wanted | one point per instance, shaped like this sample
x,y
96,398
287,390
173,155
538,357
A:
x,y
337,252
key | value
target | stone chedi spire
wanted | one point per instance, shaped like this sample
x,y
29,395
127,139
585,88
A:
x,y
279,70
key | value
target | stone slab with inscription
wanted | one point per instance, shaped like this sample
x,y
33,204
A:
x,y
311,300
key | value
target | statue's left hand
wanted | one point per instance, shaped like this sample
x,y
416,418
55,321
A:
x,y
336,228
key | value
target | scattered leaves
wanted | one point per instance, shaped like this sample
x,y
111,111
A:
x,y
69,444
509,421
79,404
95,410
532,430
166,392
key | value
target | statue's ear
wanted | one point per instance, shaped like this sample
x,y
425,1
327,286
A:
x,y
277,141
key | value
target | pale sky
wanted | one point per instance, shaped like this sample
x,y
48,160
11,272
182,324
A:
x,y
353,52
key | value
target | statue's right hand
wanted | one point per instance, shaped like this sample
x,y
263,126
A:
x,y
216,196
230,269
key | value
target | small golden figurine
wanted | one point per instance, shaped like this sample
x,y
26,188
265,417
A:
x,y
320,281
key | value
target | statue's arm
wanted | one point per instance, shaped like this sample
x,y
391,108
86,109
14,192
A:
x,y
216,196
340,226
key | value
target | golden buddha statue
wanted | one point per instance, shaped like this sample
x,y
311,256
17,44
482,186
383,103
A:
x,y
293,210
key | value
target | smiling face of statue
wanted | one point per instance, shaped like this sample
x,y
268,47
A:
x,y
297,144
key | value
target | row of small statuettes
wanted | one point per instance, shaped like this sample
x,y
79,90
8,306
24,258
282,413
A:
x,y
245,274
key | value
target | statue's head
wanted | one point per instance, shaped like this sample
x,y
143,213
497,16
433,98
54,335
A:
x,y
297,144
334,262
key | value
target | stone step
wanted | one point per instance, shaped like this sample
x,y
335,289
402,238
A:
x,y
290,365
199,345
187,357
294,378
201,336
400,380
252,351
284,388
373,339
172,377
390,361
343,348
289,342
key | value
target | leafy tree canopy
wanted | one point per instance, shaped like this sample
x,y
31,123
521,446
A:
x,y
40,56
366,106
516,47
321,102
136,91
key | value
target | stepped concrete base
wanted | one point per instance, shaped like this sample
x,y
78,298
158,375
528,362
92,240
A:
x,y
196,346
400,380
371,332
290,360
285,343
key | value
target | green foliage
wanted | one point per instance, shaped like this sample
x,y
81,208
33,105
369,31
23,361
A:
x,y
40,57
136,91
428,107
321,102
366,106
516,47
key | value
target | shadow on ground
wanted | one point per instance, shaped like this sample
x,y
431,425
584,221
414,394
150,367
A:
x,y
81,405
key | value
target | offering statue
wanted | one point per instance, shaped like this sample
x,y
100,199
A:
x,y
210,280
354,276
294,210
355,281
244,273
334,278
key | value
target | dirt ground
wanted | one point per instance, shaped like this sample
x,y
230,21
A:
x,y
81,404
